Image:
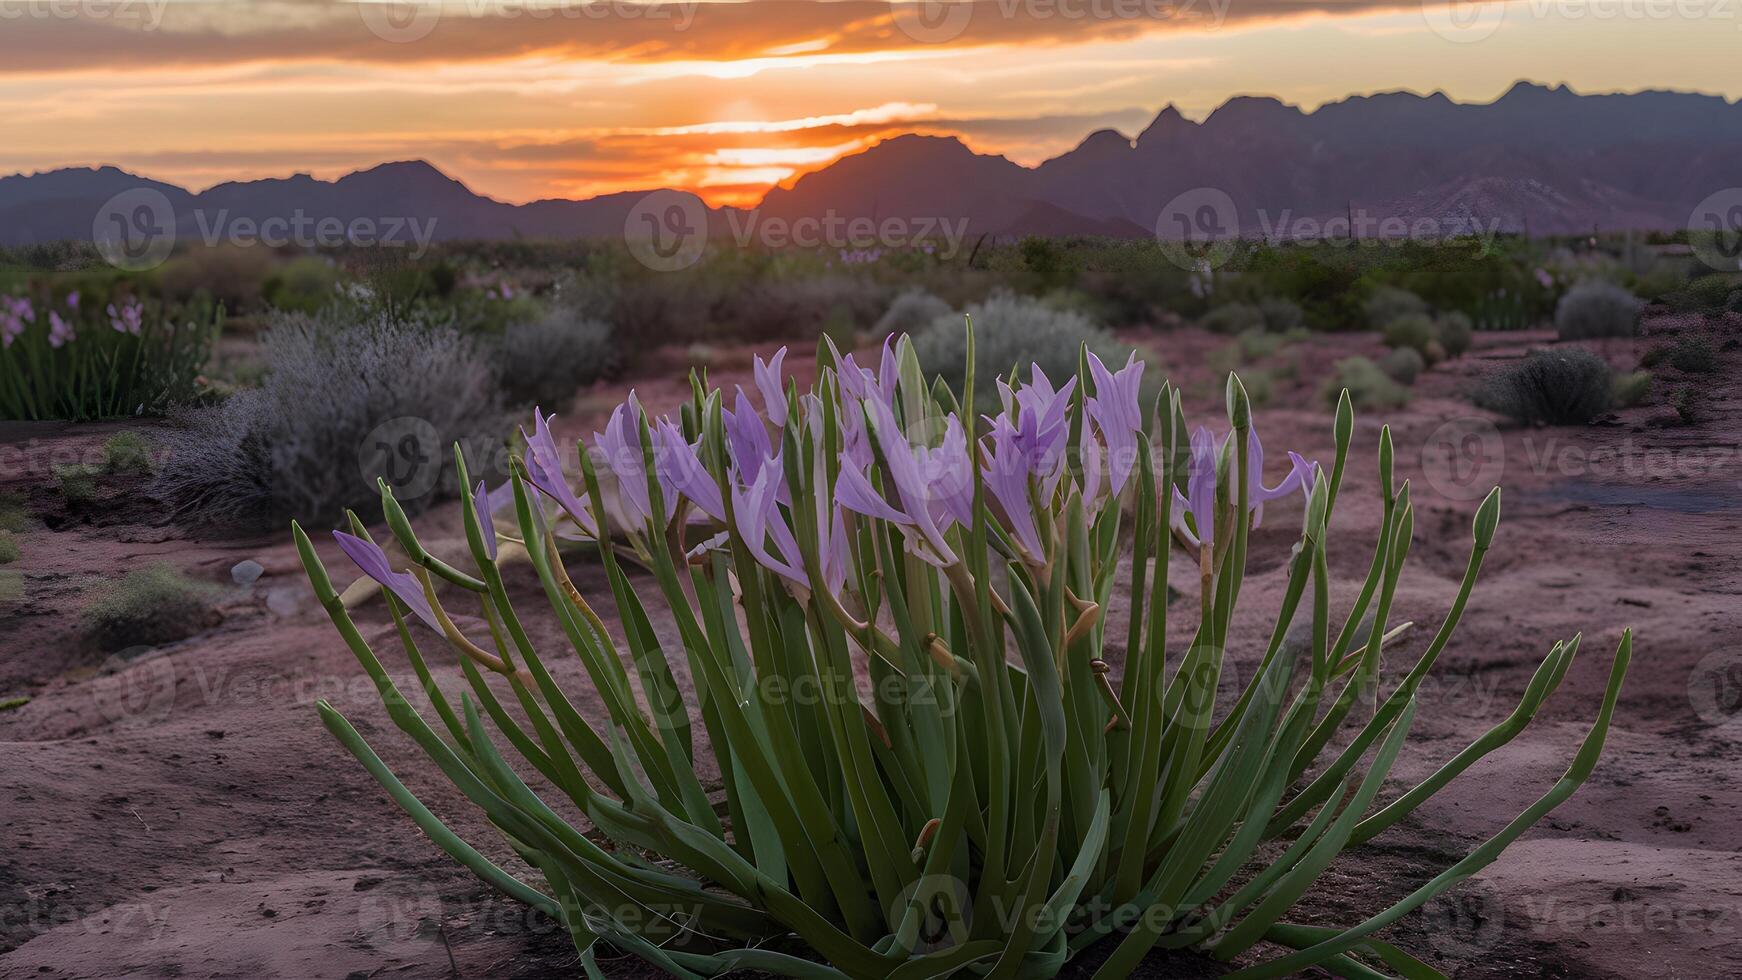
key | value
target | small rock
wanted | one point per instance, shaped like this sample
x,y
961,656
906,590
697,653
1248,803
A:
x,y
285,602
246,572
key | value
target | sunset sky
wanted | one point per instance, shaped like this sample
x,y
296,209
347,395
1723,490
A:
x,y
553,98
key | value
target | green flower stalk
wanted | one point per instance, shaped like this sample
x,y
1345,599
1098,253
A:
x,y
893,615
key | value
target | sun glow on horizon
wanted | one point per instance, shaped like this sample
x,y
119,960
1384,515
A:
x,y
749,97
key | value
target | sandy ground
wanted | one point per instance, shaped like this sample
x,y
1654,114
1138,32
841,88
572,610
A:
x,y
179,811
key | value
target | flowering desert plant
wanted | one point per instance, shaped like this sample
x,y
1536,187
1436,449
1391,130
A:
x,y
63,357
896,617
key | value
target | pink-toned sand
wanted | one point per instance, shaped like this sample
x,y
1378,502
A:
x,y
181,813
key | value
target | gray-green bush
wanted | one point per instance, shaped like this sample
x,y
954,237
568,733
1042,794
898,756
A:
x,y
1595,308
1403,365
343,402
911,311
1368,385
1567,386
1455,332
1233,318
149,606
1412,330
1281,315
545,360
1008,330
1388,303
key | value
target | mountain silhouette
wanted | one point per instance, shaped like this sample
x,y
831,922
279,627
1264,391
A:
x,y
1539,158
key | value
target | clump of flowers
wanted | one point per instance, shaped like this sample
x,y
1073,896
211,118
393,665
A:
x,y
908,751
63,358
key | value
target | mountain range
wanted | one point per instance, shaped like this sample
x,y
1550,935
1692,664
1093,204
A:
x,y
1538,159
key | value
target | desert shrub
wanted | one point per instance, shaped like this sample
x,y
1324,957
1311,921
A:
x,y
13,514
127,453
910,311
1402,365
1412,330
1595,308
1260,385
8,548
76,357
1233,318
303,285
149,606
77,482
1389,303
1281,315
387,397
1255,345
1706,294
1694,354
1368,385
1011,330
777,307
544,361
233,275
1660,279
1632,388
1569,386
1454,331
1691,403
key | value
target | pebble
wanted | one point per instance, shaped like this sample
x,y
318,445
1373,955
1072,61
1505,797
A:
x,y
246,572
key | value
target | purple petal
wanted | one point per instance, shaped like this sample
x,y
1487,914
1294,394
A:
x,y
369,557
768,382
486,523
545,472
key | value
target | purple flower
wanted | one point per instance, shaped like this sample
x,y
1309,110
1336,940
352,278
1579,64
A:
x,y
1040,434
1201,481
1117,413
747,437
60,332
862,383
130,318
759,520
544,470
1008,474
768,382
902,464
14,314
73,300
373,561
622,469
679,462
486,521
